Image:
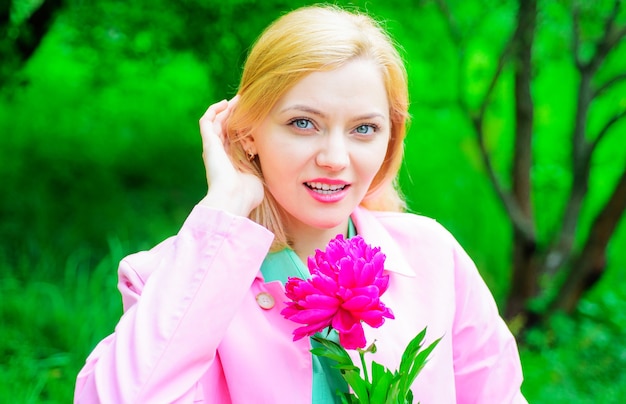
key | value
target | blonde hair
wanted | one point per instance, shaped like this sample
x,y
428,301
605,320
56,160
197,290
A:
x,y
310,39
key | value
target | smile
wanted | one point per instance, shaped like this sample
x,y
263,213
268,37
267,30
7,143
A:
x,y
323,188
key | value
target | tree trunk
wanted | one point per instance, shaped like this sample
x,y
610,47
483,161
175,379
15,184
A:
x,y
584,269
589,266
18,43
524,249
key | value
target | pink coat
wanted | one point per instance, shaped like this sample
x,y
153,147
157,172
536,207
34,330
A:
x,y
193,330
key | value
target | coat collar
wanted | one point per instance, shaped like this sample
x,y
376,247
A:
x,y
373,232
370,228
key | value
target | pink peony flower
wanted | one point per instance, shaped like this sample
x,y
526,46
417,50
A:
x,y
344,290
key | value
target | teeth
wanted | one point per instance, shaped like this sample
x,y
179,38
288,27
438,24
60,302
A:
x,y
325,188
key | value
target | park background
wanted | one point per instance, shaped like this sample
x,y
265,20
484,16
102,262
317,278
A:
x,y
100,157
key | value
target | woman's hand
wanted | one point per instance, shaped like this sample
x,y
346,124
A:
x,y
229,189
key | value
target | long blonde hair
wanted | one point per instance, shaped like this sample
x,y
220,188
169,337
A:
x,y
311,39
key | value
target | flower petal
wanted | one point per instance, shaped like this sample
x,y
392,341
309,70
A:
x,y
347,280
353,338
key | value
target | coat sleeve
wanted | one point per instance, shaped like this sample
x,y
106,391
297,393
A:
x,y
486,361
178,301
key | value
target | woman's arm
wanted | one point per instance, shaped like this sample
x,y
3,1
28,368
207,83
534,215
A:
x,y
486,361
180,297
174,320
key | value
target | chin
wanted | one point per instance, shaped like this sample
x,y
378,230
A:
x,y
328,226
325,219
329,223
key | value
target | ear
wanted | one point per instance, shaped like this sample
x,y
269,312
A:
x,y
248,144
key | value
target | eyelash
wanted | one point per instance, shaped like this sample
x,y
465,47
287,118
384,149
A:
x,y
293,121
375,128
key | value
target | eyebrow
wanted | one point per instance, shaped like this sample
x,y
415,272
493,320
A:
x,y
305,108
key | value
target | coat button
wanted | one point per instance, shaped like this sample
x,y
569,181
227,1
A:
x,y
265,300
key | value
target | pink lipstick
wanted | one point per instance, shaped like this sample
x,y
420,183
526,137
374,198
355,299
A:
x,y
327,190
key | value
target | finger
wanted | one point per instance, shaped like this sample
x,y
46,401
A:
x,y
223,115
219,123
220,119
233,101
216,160
214,109
213,138
206,121
207,130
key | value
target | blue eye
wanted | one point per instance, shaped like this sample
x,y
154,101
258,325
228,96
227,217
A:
x,y
302,123
365,129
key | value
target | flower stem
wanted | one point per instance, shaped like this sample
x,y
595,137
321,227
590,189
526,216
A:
x,y
365,375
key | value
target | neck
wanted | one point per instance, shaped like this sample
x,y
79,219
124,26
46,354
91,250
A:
x,y
306,240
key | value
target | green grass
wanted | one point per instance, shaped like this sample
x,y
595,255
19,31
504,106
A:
x,y
50,325
575,361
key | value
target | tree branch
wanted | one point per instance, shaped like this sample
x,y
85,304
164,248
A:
x,y
608,84
453,27
502,59
561,251
576,37
520,221
611,36
516,215
614,119
36,27
591,263
5,12
457,39
582,149
605,223
524,107
518,218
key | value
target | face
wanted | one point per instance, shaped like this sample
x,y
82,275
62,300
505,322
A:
x,y
322,144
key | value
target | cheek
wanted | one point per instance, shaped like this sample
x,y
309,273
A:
x,y
374,164
377,156
279,163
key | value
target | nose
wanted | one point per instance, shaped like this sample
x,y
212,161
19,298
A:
x,y
333,153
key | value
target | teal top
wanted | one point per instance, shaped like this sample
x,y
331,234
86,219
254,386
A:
x,y
279,266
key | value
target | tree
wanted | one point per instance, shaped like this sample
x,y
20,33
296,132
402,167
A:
x,y
20,35
572,269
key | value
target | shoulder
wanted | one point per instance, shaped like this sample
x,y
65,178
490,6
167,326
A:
x,y
405,219
412,228
206,234
412,243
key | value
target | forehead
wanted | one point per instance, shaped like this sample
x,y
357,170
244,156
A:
x,y
355,86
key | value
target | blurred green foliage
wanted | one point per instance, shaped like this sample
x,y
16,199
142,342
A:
x,y
100,157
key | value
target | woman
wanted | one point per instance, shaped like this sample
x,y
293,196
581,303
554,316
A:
x,y
309,149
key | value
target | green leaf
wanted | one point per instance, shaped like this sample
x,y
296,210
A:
x,y
358,385
351,374
347,398
331,350
381,383
420,362
409,396
378,371
345,368
344,398
394,395
322,351
411,351
386,386
413,361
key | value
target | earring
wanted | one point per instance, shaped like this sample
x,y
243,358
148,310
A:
x,y
251,155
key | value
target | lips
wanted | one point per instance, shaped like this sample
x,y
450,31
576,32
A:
x,y
325,188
